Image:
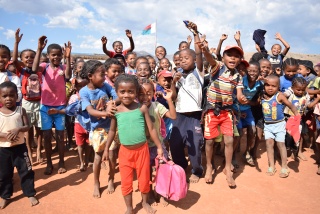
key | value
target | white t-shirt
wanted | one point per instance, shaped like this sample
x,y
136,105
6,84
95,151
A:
x,y
190,93
13,78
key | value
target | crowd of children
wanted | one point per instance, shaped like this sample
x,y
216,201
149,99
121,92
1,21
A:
x,y
139,108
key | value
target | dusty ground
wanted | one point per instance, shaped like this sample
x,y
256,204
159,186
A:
x,y
255,193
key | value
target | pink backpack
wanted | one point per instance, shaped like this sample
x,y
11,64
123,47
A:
x,y
170,180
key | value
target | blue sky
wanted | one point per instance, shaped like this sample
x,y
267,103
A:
x,y
85,22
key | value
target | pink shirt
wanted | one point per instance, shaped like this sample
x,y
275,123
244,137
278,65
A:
x,y
53,89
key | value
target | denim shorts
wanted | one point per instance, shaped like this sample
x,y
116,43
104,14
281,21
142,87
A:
x,y
276,131
47,120
246,121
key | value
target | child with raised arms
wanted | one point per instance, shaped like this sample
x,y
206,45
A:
x,y
117,46
132,120
273,103
13,150
95,97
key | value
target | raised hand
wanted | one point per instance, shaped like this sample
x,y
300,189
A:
x,y
168,95
18,37
237,35
128,33
278,36
224,37
67,48
189,39
192,26
42,42
213,50
104,40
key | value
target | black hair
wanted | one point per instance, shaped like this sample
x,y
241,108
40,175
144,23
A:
x,y
147,81
289,62
256,57
165,51
112,61
176,53
127,78
146,63
78,59
75,67
26,50
114,43
170,65
138,58
149,57
7,49
130,53
276,44
53,46
43,55
183,42
256,64
9,84
299,80
190,51
89,67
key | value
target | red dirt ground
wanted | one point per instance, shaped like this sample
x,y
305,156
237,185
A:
x,y
255,193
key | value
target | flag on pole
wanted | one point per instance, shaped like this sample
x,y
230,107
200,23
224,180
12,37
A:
x,y
149,29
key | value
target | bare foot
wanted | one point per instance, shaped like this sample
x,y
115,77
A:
x,y
82,167
301,156
62,170
208,176
163,201
148,208
39,160
229,178
34,201
194,179
3,203
110,189
96,190
151,199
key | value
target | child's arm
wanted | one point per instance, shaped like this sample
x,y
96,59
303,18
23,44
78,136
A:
x,y
129,35
67,48
12,134
312,91
152,130
237,38
111,135
258,48
104,41
286,44
241,98
42,42
172,114
56,111
198,51
109,112
314,102
189,40
223,37
284,100
209,58
18,38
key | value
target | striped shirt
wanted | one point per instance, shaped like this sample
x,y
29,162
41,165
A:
x,y
221,89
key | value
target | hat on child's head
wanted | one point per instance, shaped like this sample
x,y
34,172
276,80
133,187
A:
x,y
165,74
229,47
307,64
245,62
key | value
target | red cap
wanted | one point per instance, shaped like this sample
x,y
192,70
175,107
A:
x,y
165,74
229,47
245,62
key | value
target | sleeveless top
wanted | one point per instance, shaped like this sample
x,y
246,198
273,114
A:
x,y
131,127
9,122
300,103
272,110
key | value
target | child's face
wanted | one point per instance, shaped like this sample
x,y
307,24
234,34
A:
x,y
160,53
290,71
317,70
165,82
146,94
176,60
118,47
165,64
299,89
265,67
44,59
253,73
55,57
79,67
242,69
303,70
231,58
72,62
183,46
8,97
143,71
127,93
152,64
271,86
130,60
27,58
186,61
4,58
276,50
98,77
12,68
113,72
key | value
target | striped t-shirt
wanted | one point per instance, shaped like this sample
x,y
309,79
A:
x,y
221,89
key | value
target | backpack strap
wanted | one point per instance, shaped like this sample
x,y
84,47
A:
x,y
9,75
195,73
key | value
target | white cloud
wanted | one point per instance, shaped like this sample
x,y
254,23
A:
x,y
1,28
9,34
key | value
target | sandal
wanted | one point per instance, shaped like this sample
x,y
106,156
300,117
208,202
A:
x,y
249,160
284,173
271,171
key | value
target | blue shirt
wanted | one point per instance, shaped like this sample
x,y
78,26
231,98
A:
x,y
272,110
285,82
248,92
161,99
92,97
